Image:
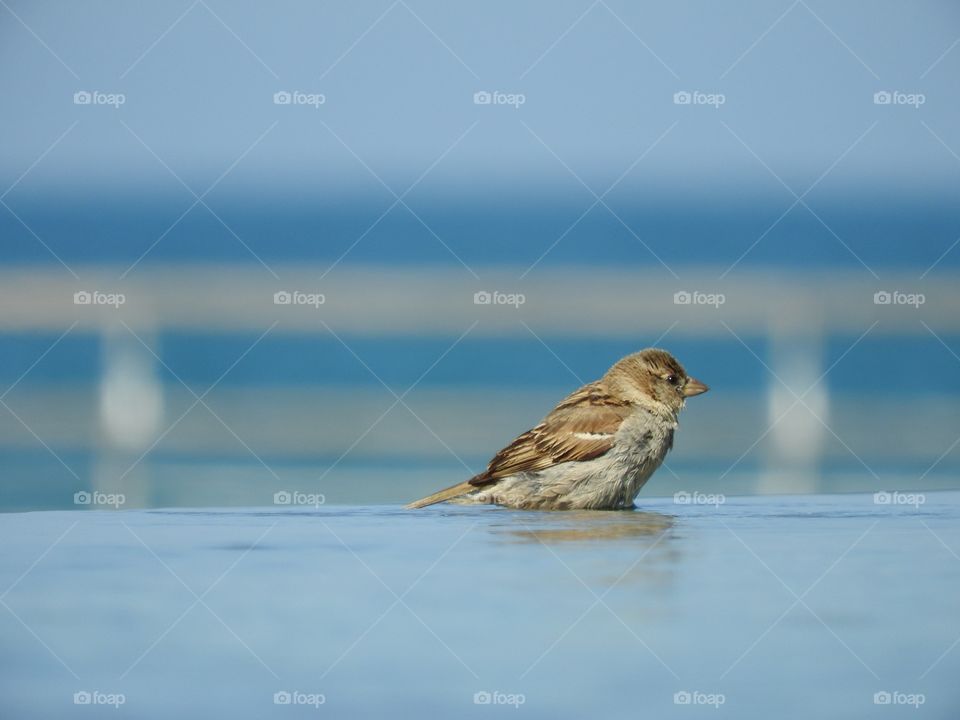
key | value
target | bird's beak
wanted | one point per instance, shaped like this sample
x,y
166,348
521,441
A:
x,y
694,387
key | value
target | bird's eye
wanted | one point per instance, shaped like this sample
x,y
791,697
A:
x,y
672,379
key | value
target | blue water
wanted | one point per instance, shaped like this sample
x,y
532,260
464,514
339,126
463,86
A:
x,y
385,612
289,360
886,231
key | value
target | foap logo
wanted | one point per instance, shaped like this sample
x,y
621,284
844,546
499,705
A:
x,y
484,697
696,97
483,297
295,97
885,697
95,297
295,497
483,97
296,297
695,697
295,697
95,697
896,297
899,498
698,498
95,97
97,498
895,97
683,297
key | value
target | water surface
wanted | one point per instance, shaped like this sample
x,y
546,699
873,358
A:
x,y
759,607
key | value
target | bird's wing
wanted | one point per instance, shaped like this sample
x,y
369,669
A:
x,y
581,427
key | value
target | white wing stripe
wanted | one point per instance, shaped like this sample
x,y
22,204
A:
x,y
592,436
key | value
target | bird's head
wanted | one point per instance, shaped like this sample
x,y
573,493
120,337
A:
x,y
655,380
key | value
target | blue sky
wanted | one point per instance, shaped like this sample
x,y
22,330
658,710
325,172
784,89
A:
x,y
398,80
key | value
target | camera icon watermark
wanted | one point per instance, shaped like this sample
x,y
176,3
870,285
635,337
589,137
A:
x,y
682,497
896,297
295,697
95,97
895,697
95,697
296,297
97,498
295,97
495,697
695,697
295,497
899,498
685,297
696,97
95,297
896,97
484,97
484,297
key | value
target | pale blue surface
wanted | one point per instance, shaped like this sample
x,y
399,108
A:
x,y
496,609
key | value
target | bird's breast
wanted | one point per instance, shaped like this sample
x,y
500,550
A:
x,y
643,437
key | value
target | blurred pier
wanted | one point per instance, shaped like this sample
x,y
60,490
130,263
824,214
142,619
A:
x,y
779,418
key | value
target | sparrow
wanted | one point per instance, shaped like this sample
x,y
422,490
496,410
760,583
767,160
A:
x,y
593,451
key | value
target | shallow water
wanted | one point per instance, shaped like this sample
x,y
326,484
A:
x,y
759,607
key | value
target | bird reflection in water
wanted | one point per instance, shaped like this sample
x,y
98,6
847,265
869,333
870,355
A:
x,y
585,526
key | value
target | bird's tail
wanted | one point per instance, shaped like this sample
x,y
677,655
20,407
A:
x,y
443,495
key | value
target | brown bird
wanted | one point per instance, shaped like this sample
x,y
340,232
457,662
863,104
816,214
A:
x,y
595,450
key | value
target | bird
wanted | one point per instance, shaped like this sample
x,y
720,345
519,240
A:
x,y
595,449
